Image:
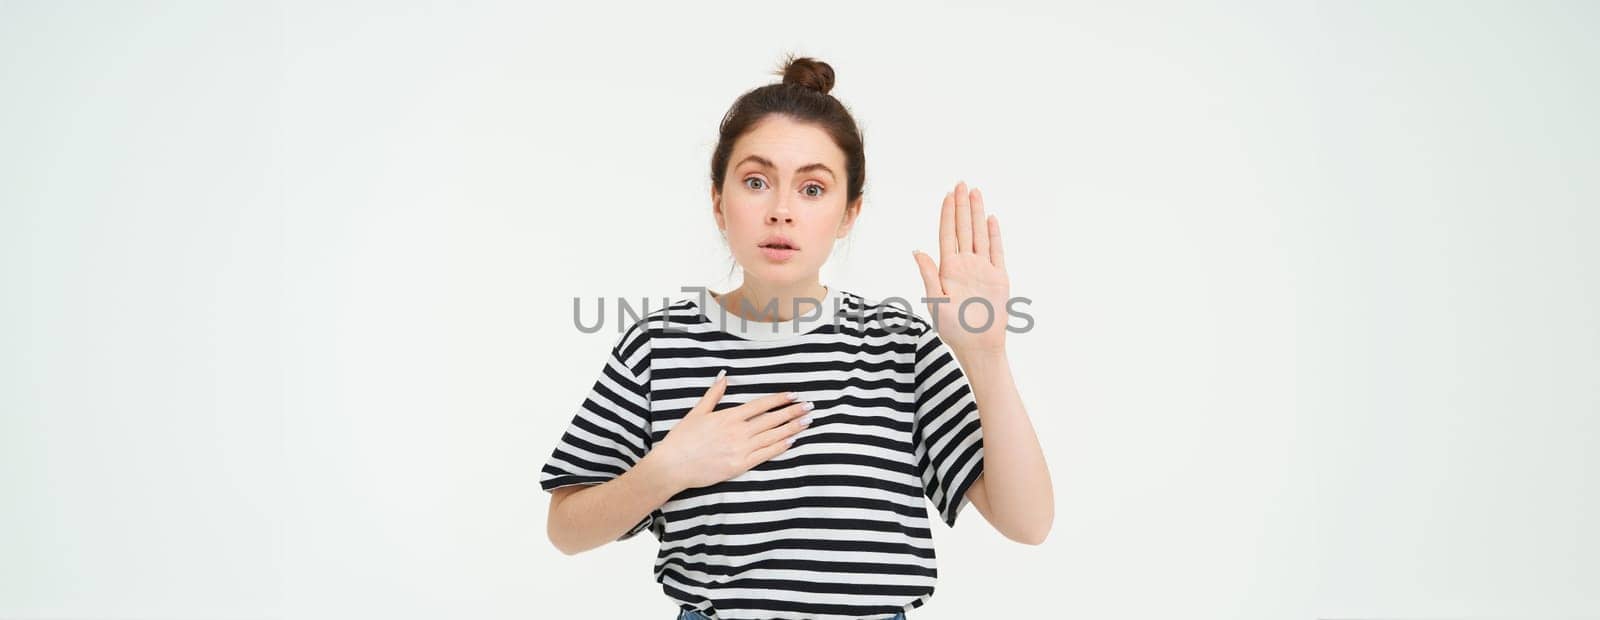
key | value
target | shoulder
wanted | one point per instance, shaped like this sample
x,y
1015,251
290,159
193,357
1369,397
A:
x,y
884,316
677,311
639,324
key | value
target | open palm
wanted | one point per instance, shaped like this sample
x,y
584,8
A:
x,y
971,265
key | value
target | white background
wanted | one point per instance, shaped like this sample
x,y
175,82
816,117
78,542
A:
x,y
285,325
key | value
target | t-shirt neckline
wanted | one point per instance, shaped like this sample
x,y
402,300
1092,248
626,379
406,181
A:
x,y
723,319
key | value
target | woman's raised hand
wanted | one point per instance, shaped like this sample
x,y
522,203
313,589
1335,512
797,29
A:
x,y
972,265
707,447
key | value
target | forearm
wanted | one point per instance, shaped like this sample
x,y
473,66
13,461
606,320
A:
x,y
601,513
1016,480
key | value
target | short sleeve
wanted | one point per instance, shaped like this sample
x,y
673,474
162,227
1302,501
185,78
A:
x,y
610,432
947,431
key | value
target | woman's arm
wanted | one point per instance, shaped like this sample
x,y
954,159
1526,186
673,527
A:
x,y
588,516
1014,492
703,448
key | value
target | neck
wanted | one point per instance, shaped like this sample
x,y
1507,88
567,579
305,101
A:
x,y
753,300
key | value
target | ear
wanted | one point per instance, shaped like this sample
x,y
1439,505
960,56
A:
x,y
716,210
850,213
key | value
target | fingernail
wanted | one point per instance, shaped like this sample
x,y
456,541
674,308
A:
x,y
806,421
720,374
789,441
792,395
808,405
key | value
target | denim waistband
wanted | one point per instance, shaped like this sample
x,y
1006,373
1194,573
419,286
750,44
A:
x,y
690,614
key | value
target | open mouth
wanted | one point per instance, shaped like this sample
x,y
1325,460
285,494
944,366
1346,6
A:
x,y
778,248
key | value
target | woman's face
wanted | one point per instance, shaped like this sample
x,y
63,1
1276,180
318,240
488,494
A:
x,y
785,186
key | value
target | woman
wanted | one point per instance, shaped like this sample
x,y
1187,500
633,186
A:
x,y
778,439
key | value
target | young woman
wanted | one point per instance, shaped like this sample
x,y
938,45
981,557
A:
x,y
778,439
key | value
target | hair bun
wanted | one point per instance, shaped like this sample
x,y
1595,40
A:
x,y
807,72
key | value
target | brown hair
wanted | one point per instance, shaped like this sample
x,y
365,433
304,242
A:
x,y
802,96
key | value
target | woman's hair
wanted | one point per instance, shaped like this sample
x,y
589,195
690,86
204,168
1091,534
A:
x,y
802,96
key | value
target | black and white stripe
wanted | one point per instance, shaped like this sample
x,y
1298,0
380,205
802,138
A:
x,y
837,525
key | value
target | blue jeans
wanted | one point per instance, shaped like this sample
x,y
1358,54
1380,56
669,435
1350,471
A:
x,y
685,614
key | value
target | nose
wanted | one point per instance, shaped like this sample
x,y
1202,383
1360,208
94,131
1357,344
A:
x,y
780,213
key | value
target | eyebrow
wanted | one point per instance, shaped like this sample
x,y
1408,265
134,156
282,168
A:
x,y
806,168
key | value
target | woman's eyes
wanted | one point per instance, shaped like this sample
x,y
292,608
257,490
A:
x,y
808,186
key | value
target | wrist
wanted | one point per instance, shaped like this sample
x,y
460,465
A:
x,y
983,360
657,471
986,353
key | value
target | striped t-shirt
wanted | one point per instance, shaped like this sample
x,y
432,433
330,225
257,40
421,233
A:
x,y
835,526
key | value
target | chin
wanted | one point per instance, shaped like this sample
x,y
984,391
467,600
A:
x,y
780,273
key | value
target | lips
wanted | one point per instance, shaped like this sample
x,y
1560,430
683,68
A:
x,y
778,242
778,248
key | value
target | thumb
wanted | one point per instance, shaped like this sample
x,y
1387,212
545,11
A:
x,y
930,273
713,395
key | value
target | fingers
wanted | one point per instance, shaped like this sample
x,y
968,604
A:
x,y
713,395
963,219
980,226
930,274
947,226
773,419
997,250
766,453
789,427
764,404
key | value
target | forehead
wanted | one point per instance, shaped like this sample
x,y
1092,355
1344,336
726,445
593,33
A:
x,y
789,144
